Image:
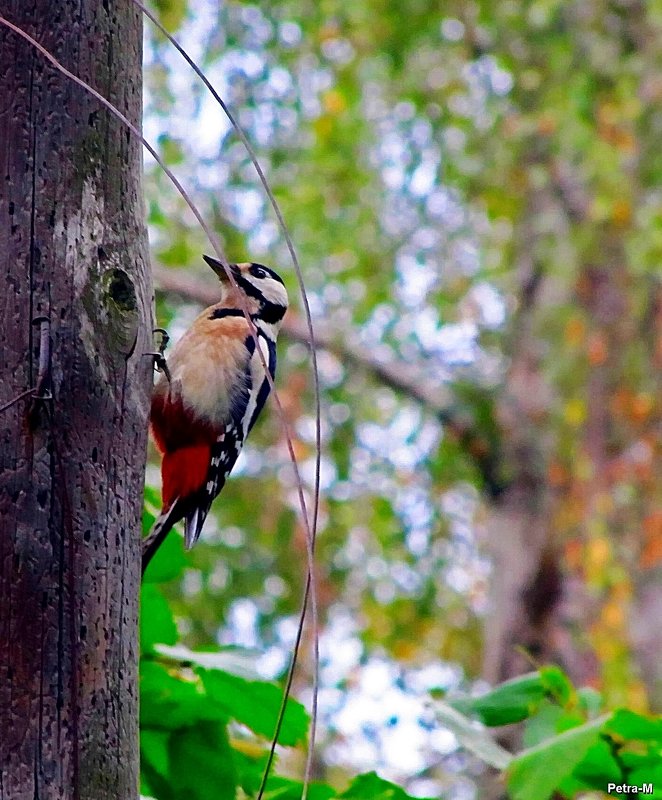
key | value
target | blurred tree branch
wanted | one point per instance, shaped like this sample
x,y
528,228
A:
x,y
457,419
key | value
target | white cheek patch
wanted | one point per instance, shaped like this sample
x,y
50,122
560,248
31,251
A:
x,y
271,290
274,292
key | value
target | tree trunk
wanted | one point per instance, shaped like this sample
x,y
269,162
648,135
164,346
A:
x,y
72,250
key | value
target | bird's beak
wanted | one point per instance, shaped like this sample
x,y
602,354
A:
x,y
219,269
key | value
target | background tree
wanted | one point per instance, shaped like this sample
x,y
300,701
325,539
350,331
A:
x,y
473,191
73,251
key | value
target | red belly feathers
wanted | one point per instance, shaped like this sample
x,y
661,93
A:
x,y
186,447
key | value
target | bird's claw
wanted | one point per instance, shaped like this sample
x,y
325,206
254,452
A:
x,y
165,338
160,363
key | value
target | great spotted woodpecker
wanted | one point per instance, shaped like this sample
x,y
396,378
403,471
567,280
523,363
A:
x,y
206,403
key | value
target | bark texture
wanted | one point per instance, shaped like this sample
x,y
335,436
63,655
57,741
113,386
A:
x,y
72,248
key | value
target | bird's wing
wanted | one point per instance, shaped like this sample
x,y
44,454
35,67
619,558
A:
x,y
227,447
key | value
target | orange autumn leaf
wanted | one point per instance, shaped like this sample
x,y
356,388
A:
x,y
625,142
557,474
598,553
597,350
612,615
575,331
641,407
621,401
621,213
334,102
651,554
547,124
653,525
574,552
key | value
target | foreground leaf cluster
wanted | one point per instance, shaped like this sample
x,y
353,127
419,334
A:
x,y
570,745
207,719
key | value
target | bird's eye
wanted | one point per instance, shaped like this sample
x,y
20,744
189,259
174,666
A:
x,y
258,272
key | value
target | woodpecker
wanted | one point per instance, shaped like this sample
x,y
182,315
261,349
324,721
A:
x,y
205,404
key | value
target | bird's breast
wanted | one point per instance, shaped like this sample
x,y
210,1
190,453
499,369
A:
x,y
208,375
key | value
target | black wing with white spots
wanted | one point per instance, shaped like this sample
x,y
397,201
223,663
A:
x,y
224,454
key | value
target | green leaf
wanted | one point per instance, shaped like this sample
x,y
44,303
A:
x,y
235,660
156,621
651,773
155,215
250,766
371,787
179,252
256,704
471,735
535,773
202,766
169,700
169,560
557,684
154,750
635,762
171,150
590,701
172,13
509,702
542,725
284,789
629,725
598,766
152,499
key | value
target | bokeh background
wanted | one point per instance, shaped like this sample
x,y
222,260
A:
x,y
473,189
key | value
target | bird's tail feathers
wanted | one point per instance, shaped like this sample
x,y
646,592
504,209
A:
x,y
161,528
193,526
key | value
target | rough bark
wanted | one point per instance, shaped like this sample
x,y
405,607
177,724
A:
x,y
72,248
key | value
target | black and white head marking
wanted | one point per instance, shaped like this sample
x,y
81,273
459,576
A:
x,y
260,283
267,287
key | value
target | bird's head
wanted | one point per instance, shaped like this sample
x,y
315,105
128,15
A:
x,y
258,283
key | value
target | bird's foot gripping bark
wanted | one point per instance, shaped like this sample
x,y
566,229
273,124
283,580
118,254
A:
x,y
160,363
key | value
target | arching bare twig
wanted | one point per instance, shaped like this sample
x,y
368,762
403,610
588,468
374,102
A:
x,y
310,591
